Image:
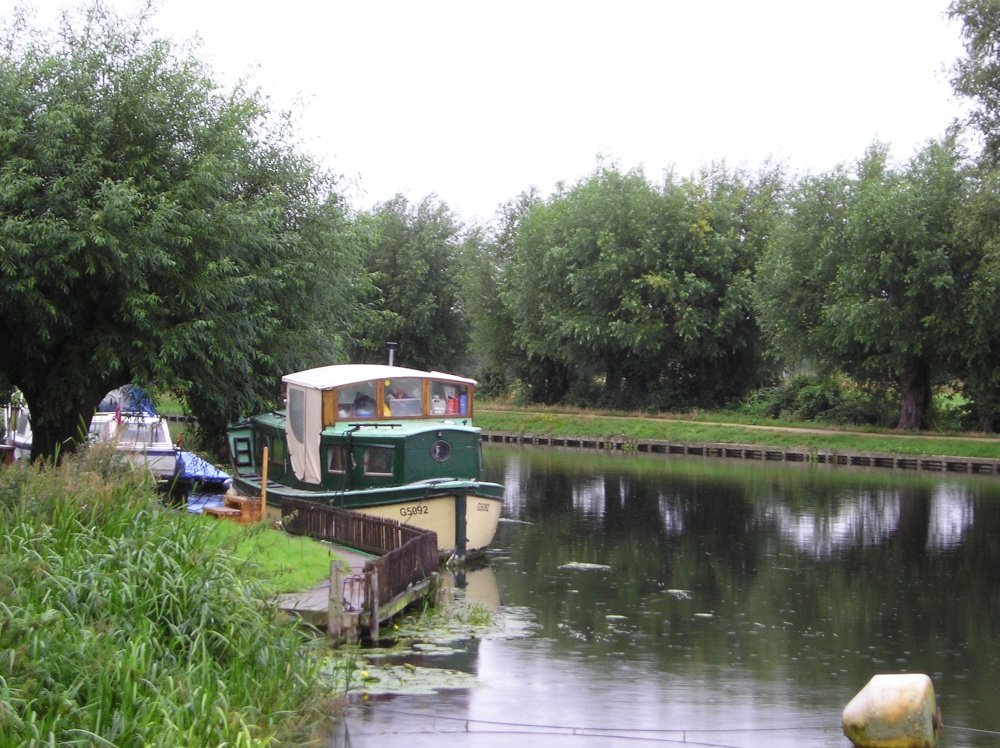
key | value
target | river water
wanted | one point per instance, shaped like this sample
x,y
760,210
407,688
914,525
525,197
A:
x,y
646,599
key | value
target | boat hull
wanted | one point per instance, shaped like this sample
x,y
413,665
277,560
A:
x,y
429,505
440,514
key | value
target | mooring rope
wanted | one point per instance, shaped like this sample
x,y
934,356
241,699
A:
x,y
680,736
972,730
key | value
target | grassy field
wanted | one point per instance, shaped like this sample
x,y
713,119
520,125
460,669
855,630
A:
x,y
721,428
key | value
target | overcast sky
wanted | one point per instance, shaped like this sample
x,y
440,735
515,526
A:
x,y
479,101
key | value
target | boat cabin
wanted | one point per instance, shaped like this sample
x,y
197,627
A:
x,y
358,425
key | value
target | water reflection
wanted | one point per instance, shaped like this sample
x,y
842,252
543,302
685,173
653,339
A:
x,y
719,602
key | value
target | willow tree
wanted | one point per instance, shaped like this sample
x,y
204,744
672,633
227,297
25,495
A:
x,y
412,252
155,229
644,289
870,275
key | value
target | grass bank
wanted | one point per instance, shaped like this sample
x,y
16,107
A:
x,y
720,429
128,624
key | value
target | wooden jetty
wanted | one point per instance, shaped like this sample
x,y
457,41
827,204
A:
x,y
388,567
830,457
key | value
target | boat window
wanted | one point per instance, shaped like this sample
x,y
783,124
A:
x,y
297,412
100,428
243,452
378,460
403,397
276,451
450,398
135,433
336,459
356,400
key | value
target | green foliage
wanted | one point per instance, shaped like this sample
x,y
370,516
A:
x,y
412,253
127,623
976,75
828,399
155,229
869,273
624,294
487,275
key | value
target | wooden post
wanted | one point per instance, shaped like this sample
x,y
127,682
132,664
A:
x,y
373,589
335,602
460,539
263,487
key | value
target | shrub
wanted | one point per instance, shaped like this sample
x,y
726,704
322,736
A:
x,y
827,399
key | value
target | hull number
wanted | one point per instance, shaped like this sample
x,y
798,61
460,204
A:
x,y
412,511
482,507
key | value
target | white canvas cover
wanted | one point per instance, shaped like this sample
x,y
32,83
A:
x,y
302,429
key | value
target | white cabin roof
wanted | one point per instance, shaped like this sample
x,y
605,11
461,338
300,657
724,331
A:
x,y
328,377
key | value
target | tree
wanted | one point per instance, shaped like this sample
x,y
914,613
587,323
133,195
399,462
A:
x,y
643,289
976,332
487,256
412,253
154,229
977,76
870,272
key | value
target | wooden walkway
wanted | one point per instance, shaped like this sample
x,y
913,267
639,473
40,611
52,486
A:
x,y
927,463
367,589
314,604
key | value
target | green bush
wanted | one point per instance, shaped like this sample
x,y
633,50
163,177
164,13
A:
x,y
827,399
125,624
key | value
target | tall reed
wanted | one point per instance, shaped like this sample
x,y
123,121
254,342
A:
x,y
122,624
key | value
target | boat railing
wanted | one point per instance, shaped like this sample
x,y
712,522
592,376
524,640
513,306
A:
x,y
406,555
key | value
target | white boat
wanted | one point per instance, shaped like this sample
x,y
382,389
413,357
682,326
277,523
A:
x,y
140,436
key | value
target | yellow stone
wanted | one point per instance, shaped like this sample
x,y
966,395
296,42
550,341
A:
x,y
893,711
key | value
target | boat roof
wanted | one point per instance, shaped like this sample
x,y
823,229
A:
x,y
328,377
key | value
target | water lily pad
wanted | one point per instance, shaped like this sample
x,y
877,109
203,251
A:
x,y
410,679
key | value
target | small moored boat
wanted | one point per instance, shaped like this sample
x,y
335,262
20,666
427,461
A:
x,y
380,439
124,418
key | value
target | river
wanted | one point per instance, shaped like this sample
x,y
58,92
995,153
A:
x,y
647,599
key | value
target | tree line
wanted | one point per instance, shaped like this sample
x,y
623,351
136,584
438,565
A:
x,y
157,229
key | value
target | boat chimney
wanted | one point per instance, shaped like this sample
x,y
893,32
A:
x,y
392,348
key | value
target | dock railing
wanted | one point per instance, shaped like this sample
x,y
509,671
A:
x,y
406,556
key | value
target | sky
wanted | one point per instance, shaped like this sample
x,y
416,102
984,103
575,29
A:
x,y
476,102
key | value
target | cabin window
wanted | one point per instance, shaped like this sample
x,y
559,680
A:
x,y
276,451
297,412
99,429
136,433
336,460
357,401
403,397
243,451
378,460
450,399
